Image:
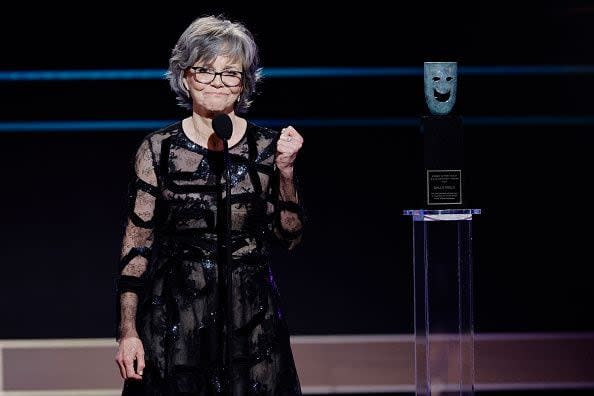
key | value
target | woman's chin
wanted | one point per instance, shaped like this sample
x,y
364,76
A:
x,y
218,108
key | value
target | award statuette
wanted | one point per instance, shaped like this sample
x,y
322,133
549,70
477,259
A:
x,y
442,247
442,138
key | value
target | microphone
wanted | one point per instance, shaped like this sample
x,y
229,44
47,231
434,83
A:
x,y
222,126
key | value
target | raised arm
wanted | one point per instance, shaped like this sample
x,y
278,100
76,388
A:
x,y
289,212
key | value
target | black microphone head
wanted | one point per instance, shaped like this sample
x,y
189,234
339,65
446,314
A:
x,y
223,126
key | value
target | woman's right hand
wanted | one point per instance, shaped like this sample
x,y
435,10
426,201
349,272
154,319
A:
x,y
129,350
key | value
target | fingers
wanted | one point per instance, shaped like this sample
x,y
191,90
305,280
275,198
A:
x,y
290,141
126,366
130,352
120,362
290,134
140,364
129,365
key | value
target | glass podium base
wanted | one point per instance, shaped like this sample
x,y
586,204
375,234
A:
x,y
443,307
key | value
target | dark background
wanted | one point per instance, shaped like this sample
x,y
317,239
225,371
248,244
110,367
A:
x,y
64,193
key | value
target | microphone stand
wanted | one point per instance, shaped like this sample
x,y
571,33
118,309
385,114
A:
x,y
228,261
237,378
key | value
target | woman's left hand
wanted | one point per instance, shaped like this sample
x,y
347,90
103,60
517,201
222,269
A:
x,y
287,147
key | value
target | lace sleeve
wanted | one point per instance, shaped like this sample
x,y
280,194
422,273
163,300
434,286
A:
x,y
138,239
288,208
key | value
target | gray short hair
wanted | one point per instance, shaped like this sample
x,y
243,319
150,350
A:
x,y
205,39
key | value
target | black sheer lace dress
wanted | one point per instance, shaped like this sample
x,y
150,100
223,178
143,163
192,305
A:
x,y
171,267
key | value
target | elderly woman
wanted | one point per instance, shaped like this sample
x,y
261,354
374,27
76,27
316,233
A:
x,y
175,305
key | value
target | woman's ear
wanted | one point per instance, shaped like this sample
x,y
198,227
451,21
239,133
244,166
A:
x,y
185,82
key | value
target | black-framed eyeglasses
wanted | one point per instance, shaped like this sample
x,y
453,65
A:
x,y
203,75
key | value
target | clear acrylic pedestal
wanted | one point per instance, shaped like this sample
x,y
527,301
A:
x,y
444,335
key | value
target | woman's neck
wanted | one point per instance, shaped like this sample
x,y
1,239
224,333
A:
x,y
201,131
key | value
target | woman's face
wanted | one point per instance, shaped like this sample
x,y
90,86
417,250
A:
x,y
218,95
